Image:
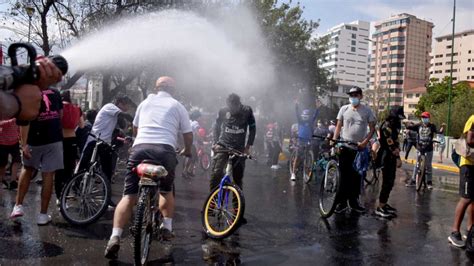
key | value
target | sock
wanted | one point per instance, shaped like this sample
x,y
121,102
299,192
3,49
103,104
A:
x,y
167,223
116,232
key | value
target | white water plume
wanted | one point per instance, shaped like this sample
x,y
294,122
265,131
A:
x,y
221,55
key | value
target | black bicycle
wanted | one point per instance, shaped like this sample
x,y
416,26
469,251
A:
x,y
87,195
420,166
374,171
148,216
331,181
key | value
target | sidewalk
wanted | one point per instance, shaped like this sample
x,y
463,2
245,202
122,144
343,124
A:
x,y
447,165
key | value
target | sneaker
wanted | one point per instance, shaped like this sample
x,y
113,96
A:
x,y
429,184
17,212
274,167
43,219
166,234
13,185
293,177
355,206
112,249
278,166
390,209
456,240
410,183
341,208
383,212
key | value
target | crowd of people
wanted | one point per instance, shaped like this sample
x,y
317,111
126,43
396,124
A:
x,y
59,140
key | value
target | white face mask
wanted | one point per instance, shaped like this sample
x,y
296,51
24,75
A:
x,y
354,101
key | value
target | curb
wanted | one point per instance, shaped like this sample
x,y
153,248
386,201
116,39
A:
x,y
448,168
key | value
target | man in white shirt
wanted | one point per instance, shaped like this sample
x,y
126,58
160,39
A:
x,y
157,122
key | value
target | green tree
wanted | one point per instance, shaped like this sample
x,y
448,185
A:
x,y
435,101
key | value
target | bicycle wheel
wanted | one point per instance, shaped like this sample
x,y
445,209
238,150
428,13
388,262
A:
x,y
372,174
329,190
308,166
205,161
142,227
221,219
420,176
85,198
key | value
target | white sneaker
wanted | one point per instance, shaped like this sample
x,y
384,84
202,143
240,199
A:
x,y
17,212
43,219
293,177
278,166
274,167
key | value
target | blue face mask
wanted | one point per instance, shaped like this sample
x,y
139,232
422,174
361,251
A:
x,y
354,101
425,120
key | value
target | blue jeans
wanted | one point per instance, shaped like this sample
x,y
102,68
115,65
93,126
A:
x,y
428,165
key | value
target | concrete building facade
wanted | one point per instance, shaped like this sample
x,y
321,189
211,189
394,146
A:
x,y
400,56
346,58
463,57
411,97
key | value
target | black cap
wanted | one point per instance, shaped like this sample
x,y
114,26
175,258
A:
x,y
397,112
355,89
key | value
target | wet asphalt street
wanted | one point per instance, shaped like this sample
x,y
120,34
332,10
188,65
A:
x,y
284,228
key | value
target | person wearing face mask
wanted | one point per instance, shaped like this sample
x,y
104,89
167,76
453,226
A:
x,y
230,131
322,131
390,154
352,122
426,132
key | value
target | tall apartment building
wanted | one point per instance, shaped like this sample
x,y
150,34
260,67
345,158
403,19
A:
x,y
401,47
346,58
463,57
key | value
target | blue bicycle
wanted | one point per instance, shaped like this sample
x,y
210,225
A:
x,y
224,207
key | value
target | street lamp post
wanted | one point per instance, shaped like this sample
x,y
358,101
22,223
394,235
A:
x,y
448,130
30,11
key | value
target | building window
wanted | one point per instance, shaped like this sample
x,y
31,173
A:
x,y
449,47
468,69
354,35
396,81
439,64
469,51
468,60
455,54
397,65
412,106
455,78
353,42
438,56
348,27
409,95
353,49
417,95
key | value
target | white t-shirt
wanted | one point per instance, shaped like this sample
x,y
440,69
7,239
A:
x,y
195,126
159,118
105,122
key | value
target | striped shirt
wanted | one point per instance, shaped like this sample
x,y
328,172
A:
x,y
9,132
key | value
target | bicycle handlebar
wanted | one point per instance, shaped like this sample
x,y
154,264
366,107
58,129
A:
x,y
235,153
336,141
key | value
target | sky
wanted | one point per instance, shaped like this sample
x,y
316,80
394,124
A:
x,y
333,12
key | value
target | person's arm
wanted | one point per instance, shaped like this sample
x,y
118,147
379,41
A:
x,y
364,143
337,132
297,110
252,129
24,141
188,143
217,128
470,137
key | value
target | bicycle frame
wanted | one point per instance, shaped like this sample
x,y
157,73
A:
x,y
225,180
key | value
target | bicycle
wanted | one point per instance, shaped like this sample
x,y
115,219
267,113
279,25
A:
x,y
225,206
203,157
331,181
87,195
148,216
420,166
374,171
308,161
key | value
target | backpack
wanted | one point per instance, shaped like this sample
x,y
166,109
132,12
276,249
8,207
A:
x,y
71,115
463,149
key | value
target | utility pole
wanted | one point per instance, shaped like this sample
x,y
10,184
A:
x,y
448,130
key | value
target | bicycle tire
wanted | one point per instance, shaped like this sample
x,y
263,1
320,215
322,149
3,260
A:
x,y
207,213
420,177
66,207
142,228
308,166
205,161
330,185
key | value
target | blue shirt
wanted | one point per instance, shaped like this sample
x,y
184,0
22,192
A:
x,y
305,127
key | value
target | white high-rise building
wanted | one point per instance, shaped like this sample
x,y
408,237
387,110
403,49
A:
x,y
346,58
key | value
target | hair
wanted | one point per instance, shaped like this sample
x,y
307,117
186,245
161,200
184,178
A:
x,y
66,96
123,99
233,99
90,115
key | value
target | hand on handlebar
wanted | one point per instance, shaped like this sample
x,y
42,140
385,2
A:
x,y
185,152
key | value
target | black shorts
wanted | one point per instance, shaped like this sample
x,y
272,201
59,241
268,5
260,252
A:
x,y
160,153
466,182
13,150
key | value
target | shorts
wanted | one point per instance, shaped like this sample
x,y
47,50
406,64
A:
x,y
164,155
466,182
48,157
13,150
301,145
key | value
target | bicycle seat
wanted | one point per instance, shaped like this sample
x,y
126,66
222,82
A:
x,y
152,171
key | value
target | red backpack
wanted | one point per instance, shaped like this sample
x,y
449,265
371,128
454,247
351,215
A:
x,y
71,115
